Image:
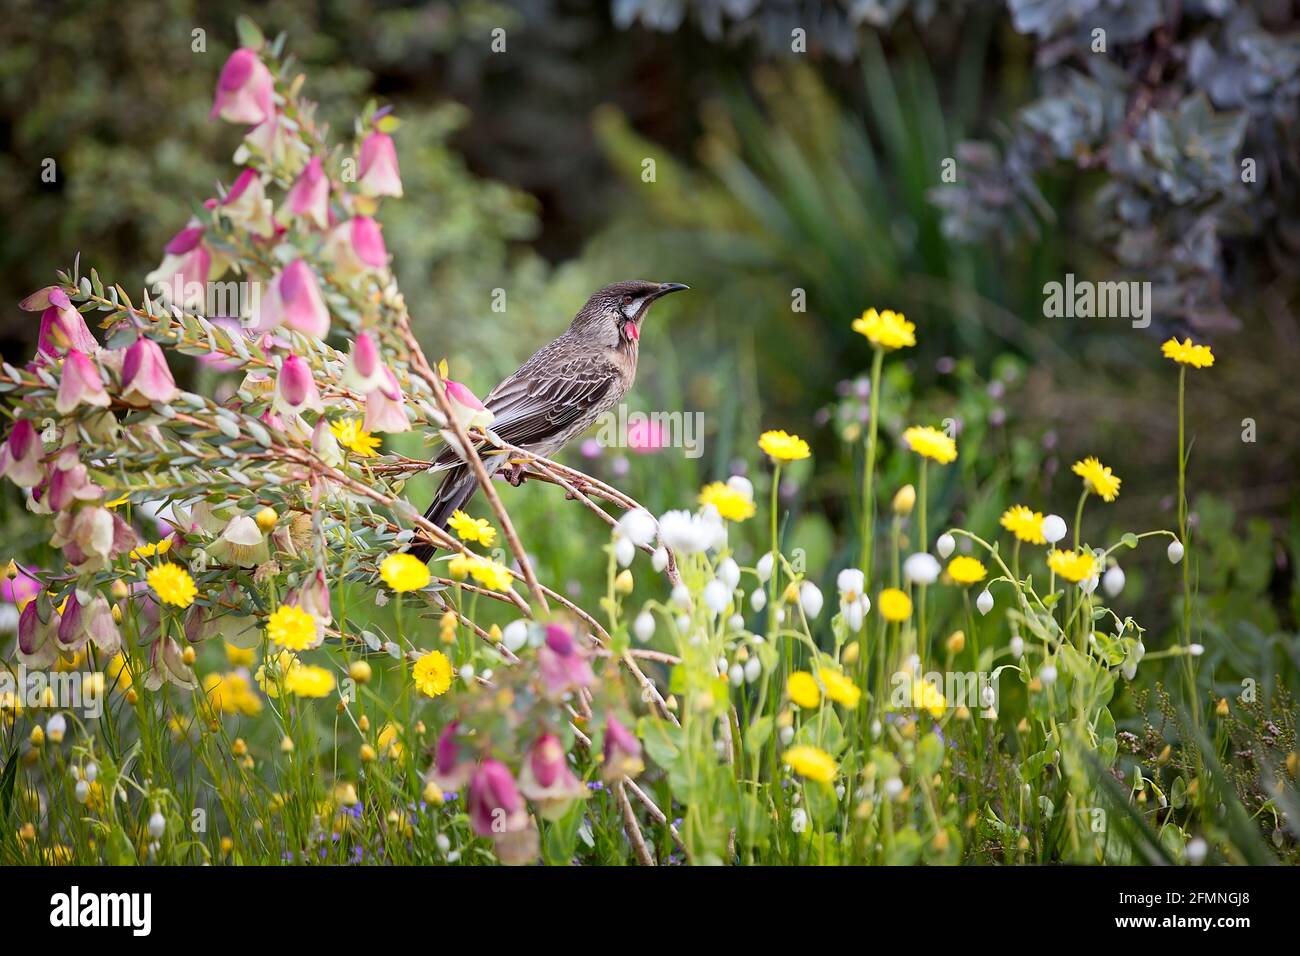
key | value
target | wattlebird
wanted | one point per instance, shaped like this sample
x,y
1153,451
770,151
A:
x,y
558,393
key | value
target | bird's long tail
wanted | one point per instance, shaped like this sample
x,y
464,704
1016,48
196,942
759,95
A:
x,y
457,487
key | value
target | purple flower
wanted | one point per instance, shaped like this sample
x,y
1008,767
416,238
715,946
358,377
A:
x,y
547,780
20,457
452,765
563,665
622,752
38,626
495,803
93,622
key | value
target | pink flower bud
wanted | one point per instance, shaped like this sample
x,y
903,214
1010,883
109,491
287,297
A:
x,y
64,328
365,371
563,666
69,483
495,805
145,375
20,458
295,388
93,623
622,752
469,411
547,779
80,385
247,207
244,89
645,436
38,301
91,537
166,664
356,248
37,629
452,762
384,412
309,196
378,174
182,276
294,301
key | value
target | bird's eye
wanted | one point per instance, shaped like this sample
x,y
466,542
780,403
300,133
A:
x,y
627,300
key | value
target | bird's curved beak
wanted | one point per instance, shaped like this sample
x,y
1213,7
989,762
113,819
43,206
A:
x,y
667,287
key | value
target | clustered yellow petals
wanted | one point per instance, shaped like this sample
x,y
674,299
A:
x,y
275,669
474,530
432,674
491,574
930,443
356,439
151,548
232,693
802,688
1074,566
894,605
732,503
926,696
172,584
887,330
308,680
811,763
291,627
1098,478
966,570
782,447
1025,524
404,572
1188,353
839,688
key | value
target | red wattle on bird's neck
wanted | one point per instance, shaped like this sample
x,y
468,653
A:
x,y
632,332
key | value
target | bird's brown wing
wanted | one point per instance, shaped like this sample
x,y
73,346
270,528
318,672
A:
x,y
537,407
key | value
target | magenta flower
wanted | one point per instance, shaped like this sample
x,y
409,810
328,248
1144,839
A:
x,y
495,805
272,140
38,301
68,483
645,436
247,207
562,664
356,248
38,626
20,457
309,197
547,780
622,752
145,375
365,371
469,411
64,328
378,174
93,623
182,276
294,301
452,762
384,412
80,385
244,90
295,388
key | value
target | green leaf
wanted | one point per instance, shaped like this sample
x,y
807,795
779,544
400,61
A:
x,y
929,756
250,35
8,779
756,735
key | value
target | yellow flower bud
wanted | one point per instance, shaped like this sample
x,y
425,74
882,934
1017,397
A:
x,y
940,841
1165,755
117,614
494,632
904,501
849,656
119,590
447,627
1292,763
623,584
364,724
266,519
360,671
791,595
28,832
227,846
239,748
956,641
367,753
132,697
188,656
433,794
286,744
38,736
1221,709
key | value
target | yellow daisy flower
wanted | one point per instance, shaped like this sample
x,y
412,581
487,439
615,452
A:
x,y
291,627
492,574
1026,525
929,698
894,605
232,693
356,439
782,447
239,656
886,330
278,667
1074,566
172,584
151,548
404,572
474,530
811,763
1186,353
732,504
839,688
803,690
1098,478
966,570
930,443
432,674
308,680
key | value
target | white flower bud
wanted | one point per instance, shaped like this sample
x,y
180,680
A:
x,y
893,787
659,560
736,675
742,484
624,551
515,635
736,622
984,602
810,599
945,544
1196,851
717,596
444,844
157,825
91,771
1016,646
764,567
787,735
1088,585
681,597
753,669
55,728
644,626
1112,581
1175,551
729,573
82,791
921,568
1047,675
1053,528
1196,650
637,526
758,600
